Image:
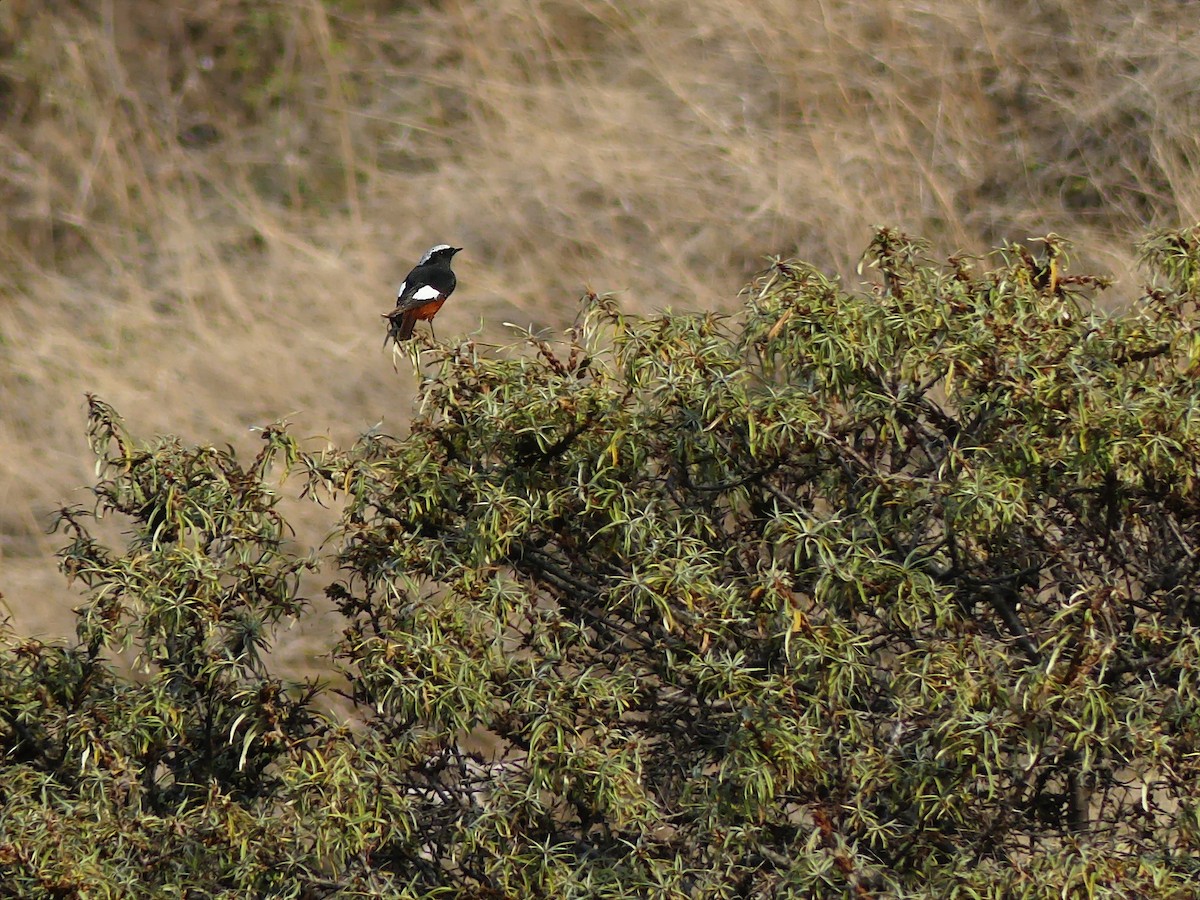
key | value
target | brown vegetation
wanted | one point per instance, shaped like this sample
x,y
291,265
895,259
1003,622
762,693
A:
x,y
204,207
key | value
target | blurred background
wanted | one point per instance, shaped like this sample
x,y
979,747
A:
x,y
206,206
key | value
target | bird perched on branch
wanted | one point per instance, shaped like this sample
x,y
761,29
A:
x,y
423,292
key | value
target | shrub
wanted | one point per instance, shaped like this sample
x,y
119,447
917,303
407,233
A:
x,y
887,592
168,777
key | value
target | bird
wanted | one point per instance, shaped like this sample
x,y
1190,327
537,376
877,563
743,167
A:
x,y
422,292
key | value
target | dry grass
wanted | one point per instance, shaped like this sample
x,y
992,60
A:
x,y
205,207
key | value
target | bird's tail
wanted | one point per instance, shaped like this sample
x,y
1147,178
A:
x,y
400,326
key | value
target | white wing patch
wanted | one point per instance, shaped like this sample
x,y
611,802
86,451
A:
x,y
400,293
426,293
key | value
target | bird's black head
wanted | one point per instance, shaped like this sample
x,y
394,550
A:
x,y
439,254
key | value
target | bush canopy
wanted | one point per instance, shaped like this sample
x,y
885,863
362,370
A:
x,y
891,591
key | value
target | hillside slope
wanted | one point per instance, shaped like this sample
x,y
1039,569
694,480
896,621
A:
x,y
203,212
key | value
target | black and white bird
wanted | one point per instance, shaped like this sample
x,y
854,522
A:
x,y
423,292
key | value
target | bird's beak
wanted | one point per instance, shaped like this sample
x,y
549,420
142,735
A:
x,y
457,250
